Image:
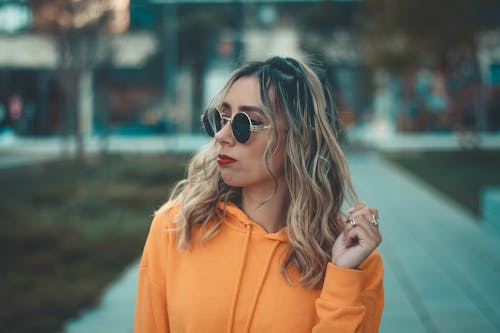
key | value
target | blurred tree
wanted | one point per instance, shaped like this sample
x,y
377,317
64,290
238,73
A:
x,y
188,32
320,21
329,31
402,34
199,27
80,28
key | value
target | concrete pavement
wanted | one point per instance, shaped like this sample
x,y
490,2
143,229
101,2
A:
x,y
115,311
441,264
372,137
18,151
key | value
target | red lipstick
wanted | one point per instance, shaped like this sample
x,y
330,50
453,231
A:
x,y
224,160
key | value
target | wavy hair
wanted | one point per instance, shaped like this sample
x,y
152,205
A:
x,y
316,171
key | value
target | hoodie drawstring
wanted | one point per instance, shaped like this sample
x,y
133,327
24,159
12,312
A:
x,y
260,285
238,279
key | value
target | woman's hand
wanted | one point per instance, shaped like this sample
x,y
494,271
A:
x,y
360,237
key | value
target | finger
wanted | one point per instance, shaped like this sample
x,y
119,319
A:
x,y
366,223
372,230
348,226
346,230
365,236
350,238
367,212
357,207
353,237
364,218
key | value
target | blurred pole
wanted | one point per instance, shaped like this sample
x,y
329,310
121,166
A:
x,y
5,84
85,111
170,58
42,102
482,122
101,109
480,103
483,62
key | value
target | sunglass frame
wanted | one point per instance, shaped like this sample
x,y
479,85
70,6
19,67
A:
x,y
225,119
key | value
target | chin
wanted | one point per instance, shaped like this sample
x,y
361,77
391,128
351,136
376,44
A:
x,y
232,183
235,181
230,180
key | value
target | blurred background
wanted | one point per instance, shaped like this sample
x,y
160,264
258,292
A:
x,y
99,113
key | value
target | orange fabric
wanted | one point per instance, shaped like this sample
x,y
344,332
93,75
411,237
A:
x,y
233,283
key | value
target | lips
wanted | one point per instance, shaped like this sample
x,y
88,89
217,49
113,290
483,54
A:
x,y
224,159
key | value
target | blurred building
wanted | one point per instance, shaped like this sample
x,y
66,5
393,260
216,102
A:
x,y
174,56
29,65
148,85
489,63
31,61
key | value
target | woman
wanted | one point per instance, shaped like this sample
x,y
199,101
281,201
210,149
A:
x,y
253,239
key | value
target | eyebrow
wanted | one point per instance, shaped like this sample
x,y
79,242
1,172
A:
x,y
247,108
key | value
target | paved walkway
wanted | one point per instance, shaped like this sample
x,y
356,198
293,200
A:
x,y
115,312
442,268
21,151
437,141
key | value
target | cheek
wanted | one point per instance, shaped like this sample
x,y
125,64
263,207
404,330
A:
x,y
278,158
278,163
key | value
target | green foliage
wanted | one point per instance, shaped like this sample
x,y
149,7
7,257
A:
x,y
65,233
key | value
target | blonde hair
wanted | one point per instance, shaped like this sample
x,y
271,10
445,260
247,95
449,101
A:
x,y
316,171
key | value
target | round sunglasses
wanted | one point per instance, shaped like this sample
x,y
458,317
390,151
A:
x,y
241,124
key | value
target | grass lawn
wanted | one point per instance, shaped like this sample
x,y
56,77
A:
x,y
67,232
458,174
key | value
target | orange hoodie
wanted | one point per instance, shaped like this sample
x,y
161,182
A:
x,y
233,283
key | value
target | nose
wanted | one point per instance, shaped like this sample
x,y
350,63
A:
x,y
225,135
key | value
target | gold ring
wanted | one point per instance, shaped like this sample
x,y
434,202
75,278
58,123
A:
x,y
351,221
374,221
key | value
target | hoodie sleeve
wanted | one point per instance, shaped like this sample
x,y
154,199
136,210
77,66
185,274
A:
x,y
151,302
352,300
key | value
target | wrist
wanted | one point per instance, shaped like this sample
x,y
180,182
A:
x,y
344,265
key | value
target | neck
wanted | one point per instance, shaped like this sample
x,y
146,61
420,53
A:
x,y
271,214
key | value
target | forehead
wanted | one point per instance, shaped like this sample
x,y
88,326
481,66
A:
x,y
244,91
244,95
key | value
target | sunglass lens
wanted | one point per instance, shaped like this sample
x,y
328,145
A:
x,y
241,127
212,122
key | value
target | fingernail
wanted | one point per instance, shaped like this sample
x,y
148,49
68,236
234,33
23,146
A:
x,y
351,210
